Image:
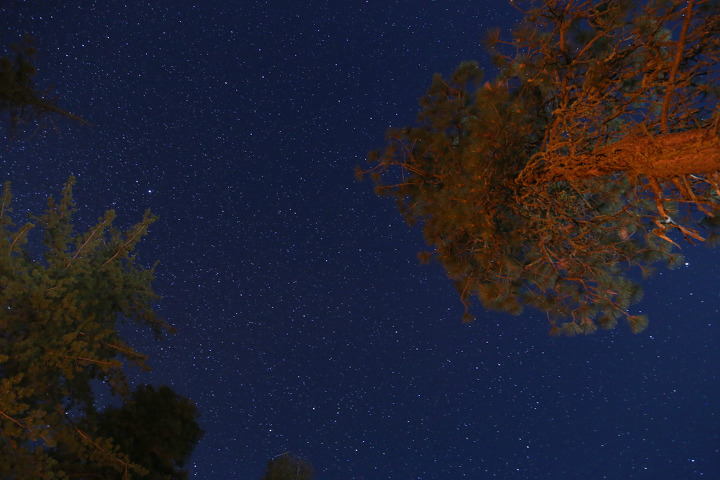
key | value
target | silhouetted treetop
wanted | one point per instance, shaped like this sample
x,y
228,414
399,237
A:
x,y
20,100
288,467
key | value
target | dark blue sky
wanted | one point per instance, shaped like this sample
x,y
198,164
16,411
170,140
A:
x,y
305,322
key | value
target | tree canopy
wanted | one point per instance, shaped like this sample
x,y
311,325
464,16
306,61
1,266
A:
x,y
62,296
59,342
156,428
594,151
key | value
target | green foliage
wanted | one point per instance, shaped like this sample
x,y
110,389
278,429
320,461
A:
x,y
638,323
59,340
288,467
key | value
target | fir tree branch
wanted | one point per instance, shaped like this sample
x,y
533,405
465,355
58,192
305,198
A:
x,y
21,425
22,231
111,363
122,247
86,241
5,200
126,464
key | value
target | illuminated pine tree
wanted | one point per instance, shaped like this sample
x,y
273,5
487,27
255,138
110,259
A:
x,y
596,150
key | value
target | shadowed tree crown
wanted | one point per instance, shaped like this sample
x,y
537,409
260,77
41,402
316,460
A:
x,y
20,100
156,428
288,467
594,151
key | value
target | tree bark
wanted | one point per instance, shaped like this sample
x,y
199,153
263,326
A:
x,y
663,156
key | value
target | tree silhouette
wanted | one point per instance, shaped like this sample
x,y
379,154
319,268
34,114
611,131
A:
x,y
156,428
288,467
593,152
23,103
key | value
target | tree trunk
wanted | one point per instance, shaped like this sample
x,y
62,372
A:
x,y
661,157
664,156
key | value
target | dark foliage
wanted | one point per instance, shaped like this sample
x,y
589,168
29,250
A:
x,y
288,467
25,105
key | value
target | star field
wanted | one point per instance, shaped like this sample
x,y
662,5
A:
x,y
305,322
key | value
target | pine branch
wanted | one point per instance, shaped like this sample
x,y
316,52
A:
x,y
676,63
86,241
22,231
122,247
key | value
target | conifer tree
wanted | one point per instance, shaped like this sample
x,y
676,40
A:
x,y
156,428
20,100
59,341
594,151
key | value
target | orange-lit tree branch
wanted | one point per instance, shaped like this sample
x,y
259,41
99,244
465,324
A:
x,y
598,140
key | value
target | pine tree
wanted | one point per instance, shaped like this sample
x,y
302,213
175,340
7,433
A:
x,y
59,341
593,151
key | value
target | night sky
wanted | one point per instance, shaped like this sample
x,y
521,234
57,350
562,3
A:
x,y
305,322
